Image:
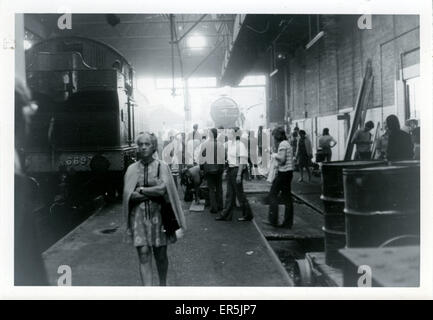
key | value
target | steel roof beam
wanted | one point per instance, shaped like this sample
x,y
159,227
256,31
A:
x,y
191,28
153,22
144,37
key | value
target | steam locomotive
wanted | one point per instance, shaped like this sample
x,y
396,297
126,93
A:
x,y
82,136
225,112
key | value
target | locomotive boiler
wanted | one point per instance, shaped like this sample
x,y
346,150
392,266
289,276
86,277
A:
x,y
225,112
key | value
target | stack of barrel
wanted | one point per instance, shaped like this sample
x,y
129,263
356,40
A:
x,y
333,198
367,203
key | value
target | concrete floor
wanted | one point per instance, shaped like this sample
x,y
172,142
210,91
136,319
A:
x,y
212,253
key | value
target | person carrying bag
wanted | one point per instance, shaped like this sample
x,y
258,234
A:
x,y
282,181
153,215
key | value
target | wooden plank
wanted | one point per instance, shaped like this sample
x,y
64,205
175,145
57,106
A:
x,y
256,186
361,102
375,141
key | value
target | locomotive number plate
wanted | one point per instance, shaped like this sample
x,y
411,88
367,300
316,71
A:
x,y
77,160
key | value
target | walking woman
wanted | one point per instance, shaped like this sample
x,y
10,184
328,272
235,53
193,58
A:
x,y
146,182
283,180
304,154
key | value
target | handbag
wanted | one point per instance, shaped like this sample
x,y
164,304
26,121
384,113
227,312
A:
x,y
168,217
273,171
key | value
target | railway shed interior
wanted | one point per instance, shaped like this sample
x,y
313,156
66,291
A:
x,y
102,79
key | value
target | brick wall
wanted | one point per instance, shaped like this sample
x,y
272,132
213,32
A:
x,y
277,96
326,78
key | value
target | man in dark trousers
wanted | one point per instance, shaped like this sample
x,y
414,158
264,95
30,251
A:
x,y
212,153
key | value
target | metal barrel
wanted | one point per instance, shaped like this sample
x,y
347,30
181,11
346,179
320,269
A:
x,y
333,201
381,203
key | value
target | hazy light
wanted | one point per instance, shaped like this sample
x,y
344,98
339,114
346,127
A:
x,y
27,44
254,80
196,42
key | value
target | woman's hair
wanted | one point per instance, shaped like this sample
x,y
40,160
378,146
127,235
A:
x,y
325,132
279,134
153,138
302,133
392,123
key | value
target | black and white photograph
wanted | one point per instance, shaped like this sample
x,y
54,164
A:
x,y
219,148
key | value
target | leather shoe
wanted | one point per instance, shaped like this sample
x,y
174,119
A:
x,y
245,219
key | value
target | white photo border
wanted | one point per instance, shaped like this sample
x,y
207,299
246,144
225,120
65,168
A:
x,y
423,8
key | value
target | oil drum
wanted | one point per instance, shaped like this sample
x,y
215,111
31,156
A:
x,y
381,203
333,201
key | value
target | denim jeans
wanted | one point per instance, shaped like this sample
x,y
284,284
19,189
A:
x,y
282,183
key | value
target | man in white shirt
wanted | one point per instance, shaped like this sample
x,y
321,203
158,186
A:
x,y
237,158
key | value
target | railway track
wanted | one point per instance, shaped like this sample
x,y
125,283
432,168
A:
x,y
290,245
55,220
